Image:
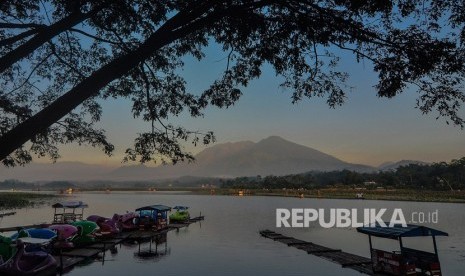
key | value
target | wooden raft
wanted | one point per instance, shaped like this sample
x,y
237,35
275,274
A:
x,y
345,259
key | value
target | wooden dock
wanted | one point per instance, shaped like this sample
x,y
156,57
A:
x,y
77,255
348,260
67,259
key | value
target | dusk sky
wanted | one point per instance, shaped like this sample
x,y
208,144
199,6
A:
x,y
366,129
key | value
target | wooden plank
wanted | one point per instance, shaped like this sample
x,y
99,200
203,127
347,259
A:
x,y
178,225
195,219
294,244
101,246
68,261
329,250
82,252
282,238
270,235
113,241
289,241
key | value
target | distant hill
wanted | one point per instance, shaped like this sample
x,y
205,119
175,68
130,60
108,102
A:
x,y
58,171
390,166
271,156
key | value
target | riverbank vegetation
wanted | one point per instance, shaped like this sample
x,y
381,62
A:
x,y
14,200
436,177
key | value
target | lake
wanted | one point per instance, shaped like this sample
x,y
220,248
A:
x,y
227,241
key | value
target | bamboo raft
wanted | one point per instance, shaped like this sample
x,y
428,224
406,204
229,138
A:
x,y
345,259
68,259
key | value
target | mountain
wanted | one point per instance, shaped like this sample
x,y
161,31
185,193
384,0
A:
x,y
389,166
271,156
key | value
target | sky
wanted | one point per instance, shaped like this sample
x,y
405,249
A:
x,y
365,130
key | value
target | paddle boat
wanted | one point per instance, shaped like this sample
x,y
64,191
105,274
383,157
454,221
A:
x,y
39,238
153,216
65,233
406,261
108,227
37,233
27,263
67,212
86,232
6,250
126,222
180,215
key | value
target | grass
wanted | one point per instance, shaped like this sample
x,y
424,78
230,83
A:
x,y
14,200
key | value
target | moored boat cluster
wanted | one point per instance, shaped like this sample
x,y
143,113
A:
x,y
29,251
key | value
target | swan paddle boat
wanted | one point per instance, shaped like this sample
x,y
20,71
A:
x,y
86,232
26,263
65,233
36,239
108,227
126,222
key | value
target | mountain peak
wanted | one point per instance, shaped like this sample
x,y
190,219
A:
x,y
273,139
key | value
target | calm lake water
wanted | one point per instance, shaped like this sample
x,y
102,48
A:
x,y
228,243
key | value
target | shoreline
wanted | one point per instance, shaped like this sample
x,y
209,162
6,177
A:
x,y
24,198
348,194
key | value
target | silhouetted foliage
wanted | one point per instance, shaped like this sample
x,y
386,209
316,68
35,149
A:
x,y
59,59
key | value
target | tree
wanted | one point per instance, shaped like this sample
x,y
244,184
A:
x,y
86,51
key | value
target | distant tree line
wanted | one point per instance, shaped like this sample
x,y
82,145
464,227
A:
x,y
20,185
436,176
15,184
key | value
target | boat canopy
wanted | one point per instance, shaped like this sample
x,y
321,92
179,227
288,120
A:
x,y
70,204
180,208
398,231
158,208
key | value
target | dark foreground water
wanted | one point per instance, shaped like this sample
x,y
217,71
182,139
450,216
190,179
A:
x,y
228,243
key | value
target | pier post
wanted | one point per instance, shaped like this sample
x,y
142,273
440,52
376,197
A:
x,y
103,258
61,261
435,246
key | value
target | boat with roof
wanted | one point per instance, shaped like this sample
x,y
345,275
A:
x,y
405,261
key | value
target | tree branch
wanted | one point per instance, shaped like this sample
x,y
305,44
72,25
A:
x,y
46,34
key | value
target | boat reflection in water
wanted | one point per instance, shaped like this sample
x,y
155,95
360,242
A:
x,y
152,249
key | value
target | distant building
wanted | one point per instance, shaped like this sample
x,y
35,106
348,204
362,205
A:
x,y
367,183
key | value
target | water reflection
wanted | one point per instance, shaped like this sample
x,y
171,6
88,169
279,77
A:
x,y
153,249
